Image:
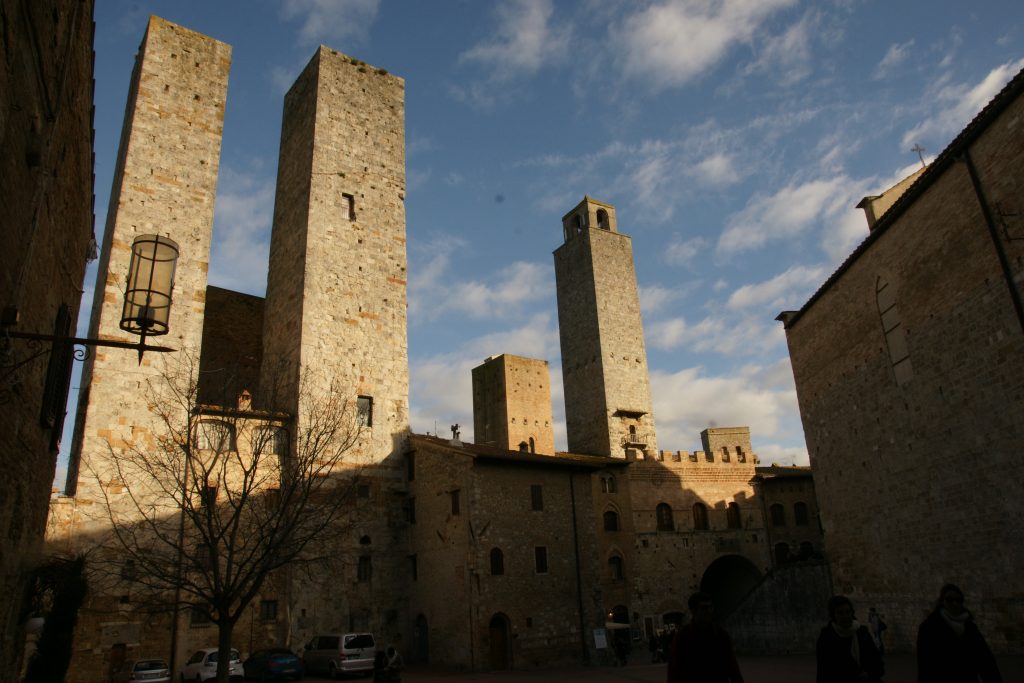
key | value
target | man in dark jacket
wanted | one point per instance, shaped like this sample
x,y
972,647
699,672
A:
x,y
701,650
950,648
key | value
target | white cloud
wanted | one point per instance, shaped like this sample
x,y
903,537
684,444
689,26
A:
x,y
717,169
681,252
239,256
959,104
325,21
790,212
787,289
787,56
655,298
525,40
688,401
671,43
894,56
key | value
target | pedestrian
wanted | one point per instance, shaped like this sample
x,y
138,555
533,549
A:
x,y
701,651
875,628
652,645
621,646
950,648
380,667
395,665
846,652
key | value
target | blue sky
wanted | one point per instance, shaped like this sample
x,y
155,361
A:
x,y
733,137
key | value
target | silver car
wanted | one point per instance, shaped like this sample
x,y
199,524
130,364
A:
x,y
335,654
138,670
202,666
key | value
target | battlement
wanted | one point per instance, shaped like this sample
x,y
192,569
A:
x,y
708,457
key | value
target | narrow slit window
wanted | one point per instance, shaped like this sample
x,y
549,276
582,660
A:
x,y
349,205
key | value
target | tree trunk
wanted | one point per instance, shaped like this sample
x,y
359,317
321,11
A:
x,y
224,632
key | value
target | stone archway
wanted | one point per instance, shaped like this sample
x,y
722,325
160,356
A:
x,y
500,643
728,580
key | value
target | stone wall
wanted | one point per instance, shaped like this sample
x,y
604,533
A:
x,y
46,201
512,404
914,418
232,349
604,360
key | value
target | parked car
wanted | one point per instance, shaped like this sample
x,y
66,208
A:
x,y
273,664
137,670
335,654
202,666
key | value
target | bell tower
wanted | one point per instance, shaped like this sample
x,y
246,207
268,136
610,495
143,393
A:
x,y
604,361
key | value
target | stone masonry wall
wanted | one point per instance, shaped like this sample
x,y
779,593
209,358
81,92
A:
x,y
512,404
604,360
232,349
920,481
46,202
165,183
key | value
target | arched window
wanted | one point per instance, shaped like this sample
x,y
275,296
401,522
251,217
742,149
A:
x,y
725,454
533,446
611,520
800,513
778,514
781,553
663,513
497,562
580,224
607,483
602,219
700,517
732,516
740,455
616,570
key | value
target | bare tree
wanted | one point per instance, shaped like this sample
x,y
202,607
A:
x,y
217,498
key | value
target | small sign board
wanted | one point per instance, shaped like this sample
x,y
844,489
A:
x,y
600,639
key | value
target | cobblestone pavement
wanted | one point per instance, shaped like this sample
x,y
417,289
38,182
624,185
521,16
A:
x,y
791,669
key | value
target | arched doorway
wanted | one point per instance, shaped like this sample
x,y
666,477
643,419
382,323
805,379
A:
x,y
420,640
501,643
728,580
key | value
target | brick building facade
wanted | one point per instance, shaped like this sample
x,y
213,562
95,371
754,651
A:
x,y
46,201
909,368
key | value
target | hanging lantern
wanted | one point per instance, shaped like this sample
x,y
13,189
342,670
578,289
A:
x,y
147,298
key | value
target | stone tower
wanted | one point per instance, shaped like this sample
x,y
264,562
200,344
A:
x,y
164,183
512,404
336,289
604,361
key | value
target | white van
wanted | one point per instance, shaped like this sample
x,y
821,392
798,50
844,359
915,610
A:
x,y
335,654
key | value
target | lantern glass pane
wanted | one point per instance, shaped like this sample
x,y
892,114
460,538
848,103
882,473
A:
x,y
147,300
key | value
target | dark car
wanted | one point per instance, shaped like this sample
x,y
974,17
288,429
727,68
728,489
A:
x,y
273,664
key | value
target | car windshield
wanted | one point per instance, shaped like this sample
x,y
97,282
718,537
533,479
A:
x,y
150,664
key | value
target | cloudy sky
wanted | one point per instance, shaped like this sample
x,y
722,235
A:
x,y
734,138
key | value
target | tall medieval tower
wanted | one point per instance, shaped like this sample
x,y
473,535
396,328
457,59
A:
x,y
604,361
512,404
165,184
336,290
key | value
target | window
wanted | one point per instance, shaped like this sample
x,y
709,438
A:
x,y
410,466
615,570
611,520
364,411
268,610
700,517
540,559
663,516
800,513
740,455
607,483
199,616
602,219
725,454
536,497
778,514
216,435
279,442
732,516
497,562
709,456
533,446
208,496
128,570
455,501
364,570
349,201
